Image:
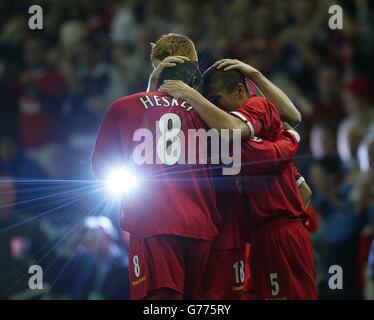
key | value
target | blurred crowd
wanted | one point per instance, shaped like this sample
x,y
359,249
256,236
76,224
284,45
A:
x,y
57,83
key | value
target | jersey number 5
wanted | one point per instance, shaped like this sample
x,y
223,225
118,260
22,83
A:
x,y
274,284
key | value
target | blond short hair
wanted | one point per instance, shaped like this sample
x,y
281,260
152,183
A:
x,y
173,44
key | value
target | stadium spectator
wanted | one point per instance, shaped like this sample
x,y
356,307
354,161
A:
x,y
340,225
322,140
16,162
39,90
327,104
19,242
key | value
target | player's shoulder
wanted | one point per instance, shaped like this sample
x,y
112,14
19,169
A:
x,y
254,103
259,103
255,100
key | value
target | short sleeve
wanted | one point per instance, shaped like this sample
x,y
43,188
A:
x,y
261,156
261,117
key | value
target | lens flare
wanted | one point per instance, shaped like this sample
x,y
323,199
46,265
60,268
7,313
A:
x,y
121,181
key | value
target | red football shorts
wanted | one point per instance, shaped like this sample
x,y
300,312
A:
x,y
225,275
282,262
167,261
249,291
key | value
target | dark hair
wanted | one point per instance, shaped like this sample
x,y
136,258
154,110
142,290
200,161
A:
x,y
217,79
188,72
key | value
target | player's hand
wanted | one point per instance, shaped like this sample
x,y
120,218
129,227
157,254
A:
x,y
177,89
233,64
166,63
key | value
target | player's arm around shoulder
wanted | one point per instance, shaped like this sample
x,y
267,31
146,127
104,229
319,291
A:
x,y
168,62
275,95
262,156
213,116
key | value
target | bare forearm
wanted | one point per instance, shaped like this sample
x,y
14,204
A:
x,y
276,96
305,193
214,117
152,86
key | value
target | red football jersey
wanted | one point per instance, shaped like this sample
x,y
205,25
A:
x,y
271,194
258,157
261,116
273,197
231,207
176,199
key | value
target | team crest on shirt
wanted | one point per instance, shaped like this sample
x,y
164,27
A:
x,y
256,139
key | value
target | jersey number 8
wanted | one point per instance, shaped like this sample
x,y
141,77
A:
x,y
169,158
135,261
